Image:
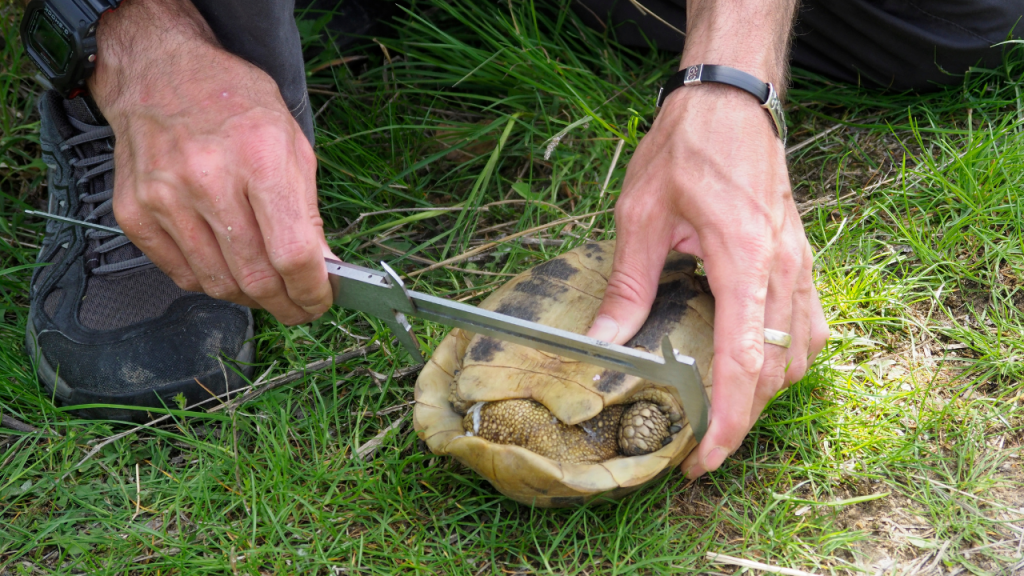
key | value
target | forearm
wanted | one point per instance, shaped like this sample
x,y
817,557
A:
x,y
749,35
134,38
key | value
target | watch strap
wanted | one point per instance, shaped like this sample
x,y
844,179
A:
x,y
699,73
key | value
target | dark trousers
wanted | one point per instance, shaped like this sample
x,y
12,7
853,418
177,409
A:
x,y
896,44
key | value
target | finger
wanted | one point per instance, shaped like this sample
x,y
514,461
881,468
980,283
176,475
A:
x,y
194,240
238,235
283,198
799,355
819,327
738,273
778,315
640,255
148,236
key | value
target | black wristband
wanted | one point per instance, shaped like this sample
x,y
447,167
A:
x,y
763,91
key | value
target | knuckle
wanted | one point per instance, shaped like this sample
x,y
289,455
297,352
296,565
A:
x,y
629,213
154,196
626,286
185,280
259,283
294,257
747,354
796,370
264,147
198,162
221,288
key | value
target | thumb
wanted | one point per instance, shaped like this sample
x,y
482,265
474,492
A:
x,y
327,252
632,286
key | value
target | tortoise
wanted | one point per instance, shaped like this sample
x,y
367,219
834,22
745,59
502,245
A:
x,y
552,432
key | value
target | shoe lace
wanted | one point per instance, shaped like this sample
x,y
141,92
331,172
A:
x,y
96,165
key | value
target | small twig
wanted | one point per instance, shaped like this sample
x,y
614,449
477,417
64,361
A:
x,y
812,139
422,260
645,11
608,177
396,408
805,207
335,62
490,245
547,242
403,372
294,375
323,107
15,424
138,494
497,227
372,444
723,559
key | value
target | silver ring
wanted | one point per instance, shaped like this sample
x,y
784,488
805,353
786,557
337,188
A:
x,y
777,337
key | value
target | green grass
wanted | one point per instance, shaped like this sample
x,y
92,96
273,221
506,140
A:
x,y
899,453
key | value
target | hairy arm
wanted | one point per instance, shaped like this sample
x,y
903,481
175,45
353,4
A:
x,y
710,179
750,36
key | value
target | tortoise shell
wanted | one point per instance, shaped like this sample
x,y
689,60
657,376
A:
x,y
537,425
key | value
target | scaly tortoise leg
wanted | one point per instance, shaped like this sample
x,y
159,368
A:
x,y
648,423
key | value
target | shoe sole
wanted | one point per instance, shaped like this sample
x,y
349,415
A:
x,y
152,398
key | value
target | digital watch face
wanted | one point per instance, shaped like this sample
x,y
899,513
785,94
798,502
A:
x,y
52,40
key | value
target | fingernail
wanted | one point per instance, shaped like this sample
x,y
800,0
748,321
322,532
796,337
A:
x,y
712,460
604,328
689,471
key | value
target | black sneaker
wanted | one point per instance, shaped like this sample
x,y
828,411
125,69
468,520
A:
x,y
105,325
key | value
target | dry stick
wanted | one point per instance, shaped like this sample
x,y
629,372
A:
x,y
645,11
812,139
423,260
337,61
15,424
608,177
490,245
372,444
138,494
395,408
318,365
294,375
546,242
723,559
805,207
397,374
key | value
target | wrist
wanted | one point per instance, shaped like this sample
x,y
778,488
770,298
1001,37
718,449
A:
x,y
727,106
701,74
143,38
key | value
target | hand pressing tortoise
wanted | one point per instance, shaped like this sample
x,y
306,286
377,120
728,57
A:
x,y
549,431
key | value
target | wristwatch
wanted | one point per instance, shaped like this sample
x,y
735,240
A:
x,y
60,36
763,91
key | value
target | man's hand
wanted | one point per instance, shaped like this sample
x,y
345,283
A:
x,y
214,179
710,179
